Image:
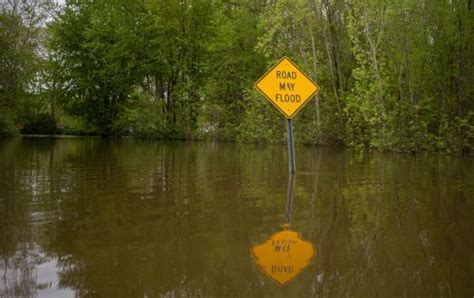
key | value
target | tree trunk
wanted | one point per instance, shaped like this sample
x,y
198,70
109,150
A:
x,y
315,72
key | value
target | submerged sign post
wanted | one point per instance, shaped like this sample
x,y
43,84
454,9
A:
x,y
288,88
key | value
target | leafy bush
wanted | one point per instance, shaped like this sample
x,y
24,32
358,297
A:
x,y
40,124
138,116
7,127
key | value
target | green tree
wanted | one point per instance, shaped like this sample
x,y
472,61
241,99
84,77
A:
x,y
368,102
22,25
395,75
232,65
176,36
98,58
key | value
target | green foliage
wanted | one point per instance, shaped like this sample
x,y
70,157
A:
x,y
137,117
98,58
77,126
409,91
394,75
14,70
21,62
262,122
40,124
232,66
7,127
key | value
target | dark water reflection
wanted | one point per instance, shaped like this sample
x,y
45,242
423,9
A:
x,y
124,219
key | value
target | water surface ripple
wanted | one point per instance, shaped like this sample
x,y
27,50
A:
x,y
90,217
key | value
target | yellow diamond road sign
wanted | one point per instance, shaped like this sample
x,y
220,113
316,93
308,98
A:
x,y
287,87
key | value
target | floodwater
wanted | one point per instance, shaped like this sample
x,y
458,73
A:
x,y
87,217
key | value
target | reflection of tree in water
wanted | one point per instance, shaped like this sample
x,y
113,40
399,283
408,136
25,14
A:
x,y
19,254
138,218
167,195
185,222
19,273
384,234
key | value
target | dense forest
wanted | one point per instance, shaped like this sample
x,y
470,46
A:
x,y
394,75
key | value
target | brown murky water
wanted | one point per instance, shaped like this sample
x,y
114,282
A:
x,y
86,217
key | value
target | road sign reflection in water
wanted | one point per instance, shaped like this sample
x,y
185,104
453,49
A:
x,y
285,254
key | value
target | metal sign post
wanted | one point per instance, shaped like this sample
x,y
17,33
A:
x,y
291,146
287,88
